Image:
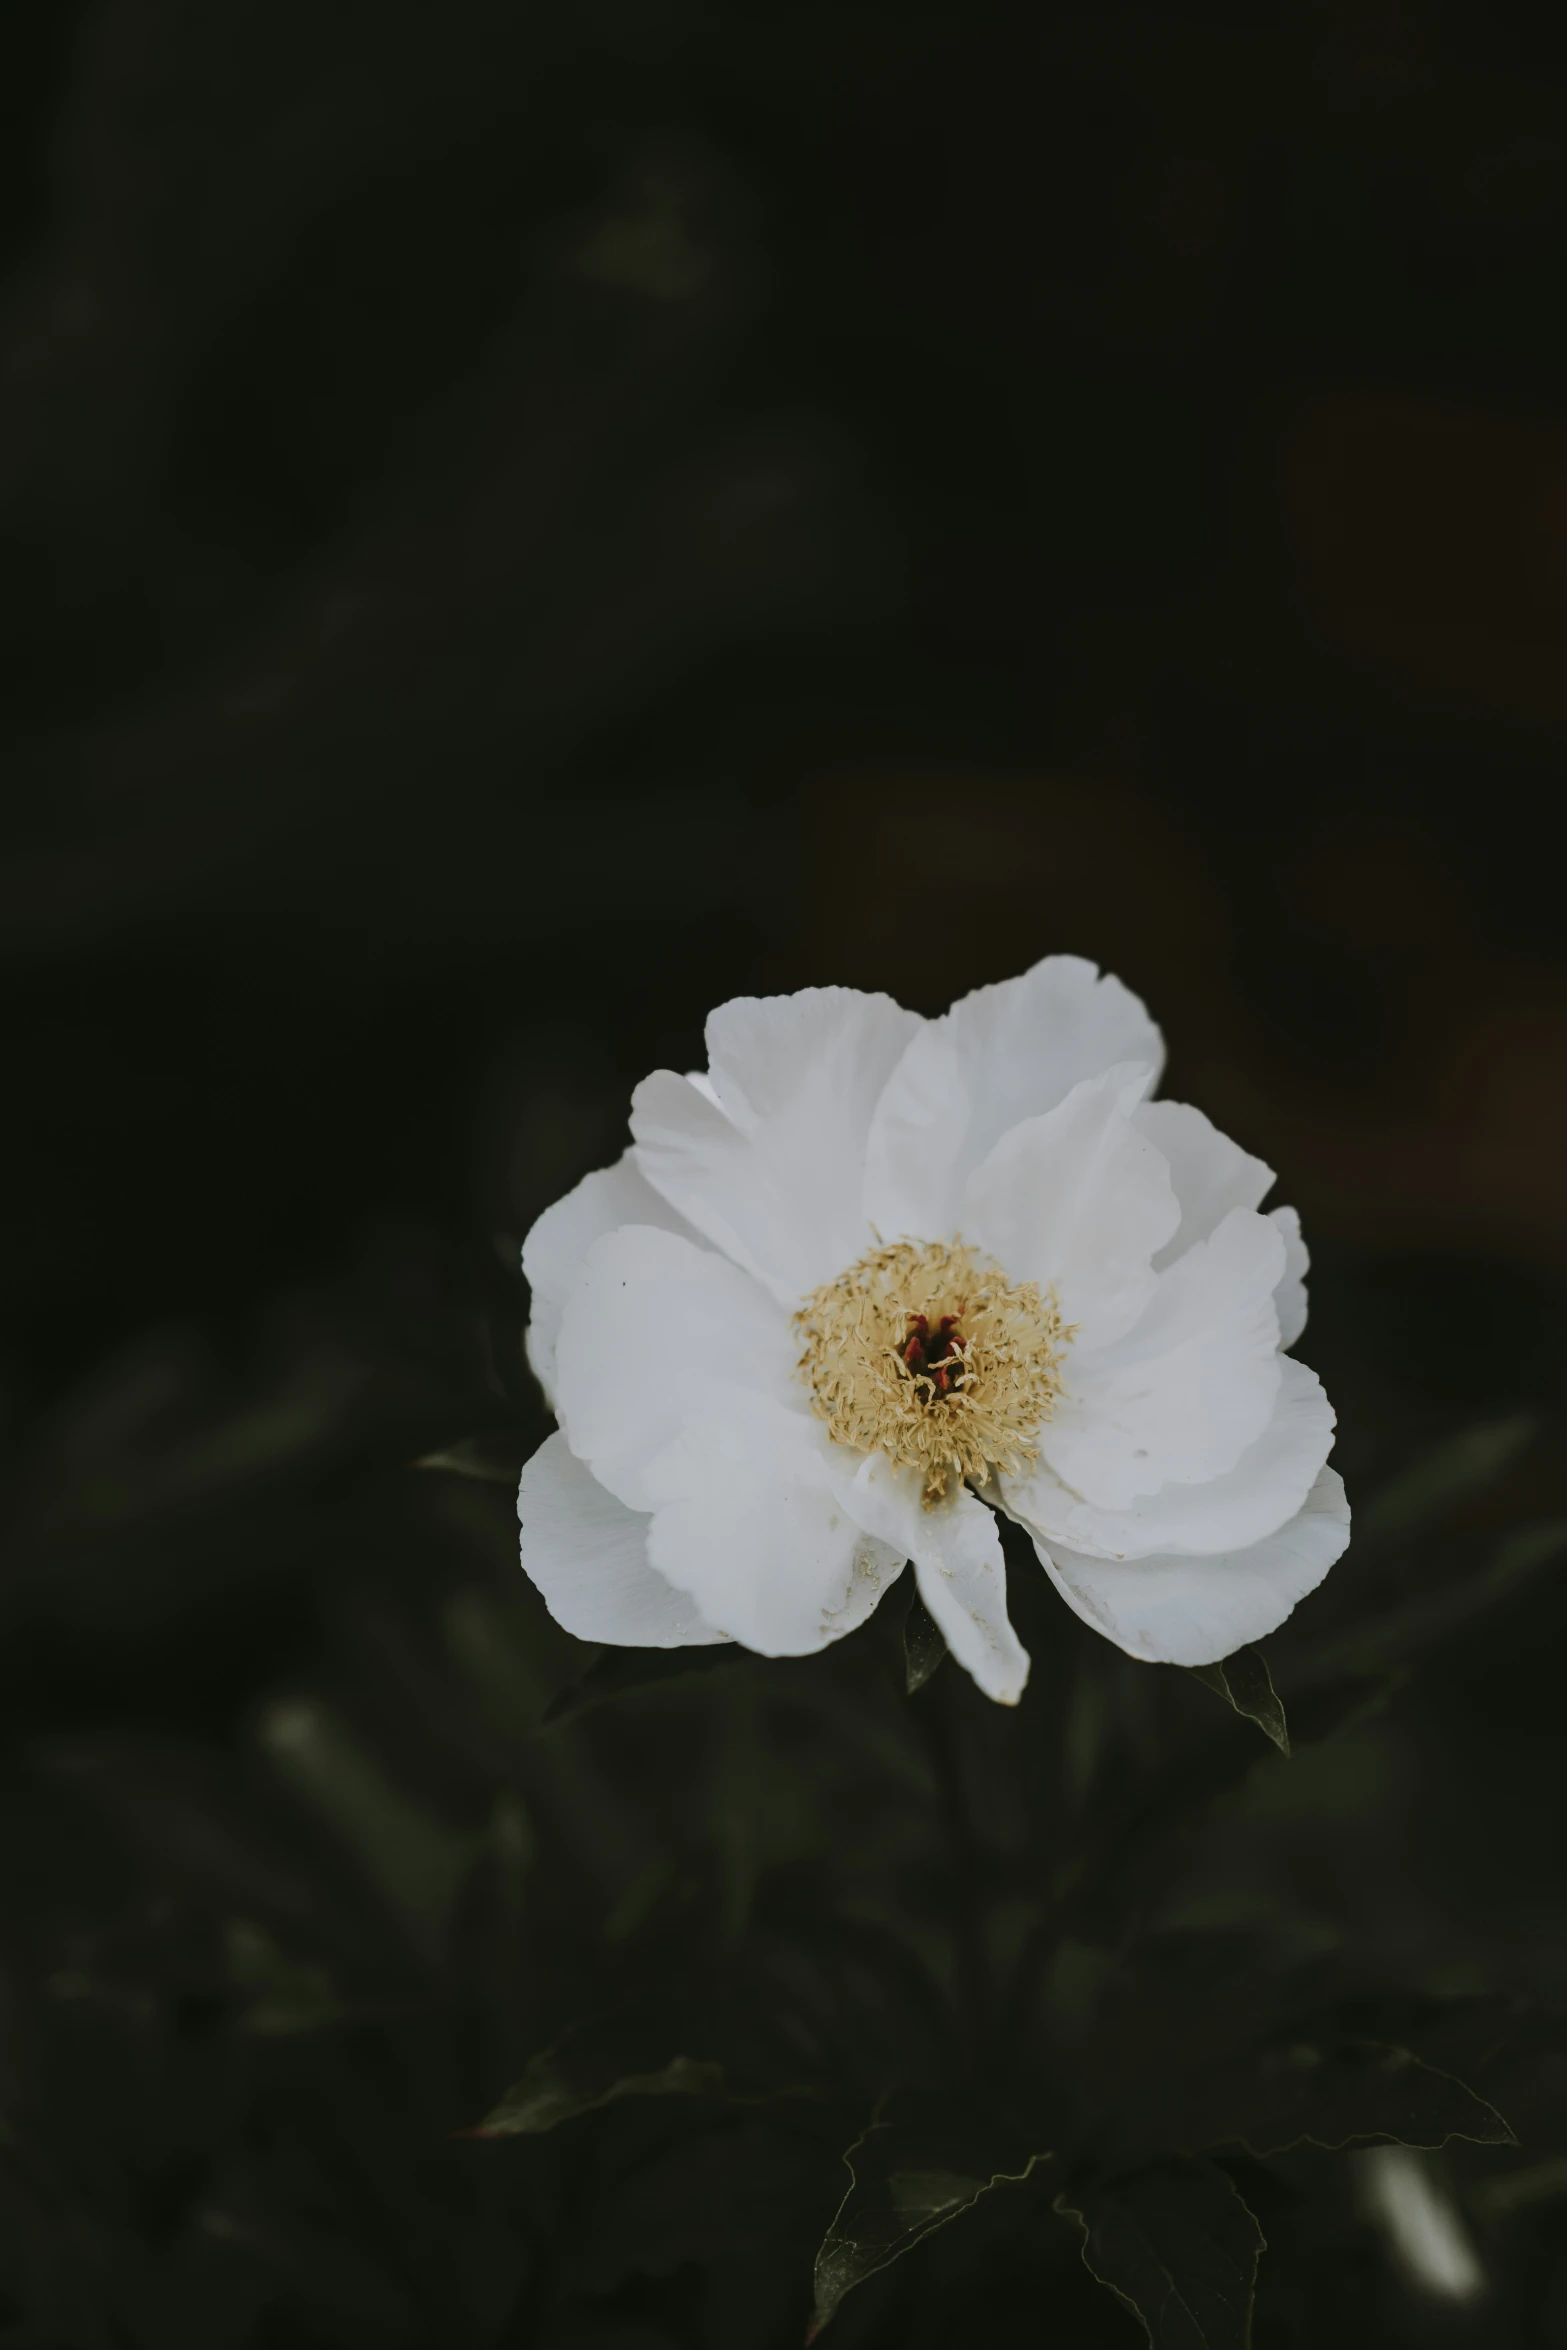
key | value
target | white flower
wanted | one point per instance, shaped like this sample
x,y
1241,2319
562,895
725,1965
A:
x,y
870,1268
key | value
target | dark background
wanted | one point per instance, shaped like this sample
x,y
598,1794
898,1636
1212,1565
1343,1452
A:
x,y
518,524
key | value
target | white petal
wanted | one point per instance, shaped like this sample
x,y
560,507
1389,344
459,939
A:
x,y
1192,1611
1290,1296
558,1241
1267,1485
956,1549
1080,1201
587,1554
656,1329
1181,1396
747,1521
772,1167
999,1056
686,1140
1211,1174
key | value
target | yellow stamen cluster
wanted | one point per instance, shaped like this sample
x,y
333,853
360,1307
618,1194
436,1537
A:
x,y
999,1379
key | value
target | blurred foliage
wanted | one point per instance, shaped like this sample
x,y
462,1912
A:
x,y
434,1979
514,526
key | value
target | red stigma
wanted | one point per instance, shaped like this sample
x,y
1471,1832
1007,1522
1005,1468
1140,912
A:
x,y
928,1353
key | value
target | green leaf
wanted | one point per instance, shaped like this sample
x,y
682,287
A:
x,y
580,2072
1465,1464
1177,2245
1243,1681
923,1643
1344,2095
622,1672
908,2178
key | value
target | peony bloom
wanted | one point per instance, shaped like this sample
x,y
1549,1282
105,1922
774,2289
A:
x,y
869,1279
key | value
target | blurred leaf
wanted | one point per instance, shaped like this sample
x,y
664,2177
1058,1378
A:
x,y
1465,1464
346,2288
923,1643
1130,1850
489,1644
619,1672
1516,2190
582,2071
1344,2095
909,2177
414,1857
1339,1704
1186,2023
1243,1681
714,2189
1390,1641
1087,1732
495,1459
284,1995
1177,2245
1512,2050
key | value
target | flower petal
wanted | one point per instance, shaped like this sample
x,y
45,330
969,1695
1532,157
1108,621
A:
x,y
999,1056
1267,1485
1192,1611
748,1522
558,1241
958,1562
656,1329
587,1554
1290,1296
1210,1173
1079,1201
772,1167
1182,1395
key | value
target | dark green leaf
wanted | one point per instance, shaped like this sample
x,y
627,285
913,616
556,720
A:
x,y
909,2177
1327,1707
581,2072
1465,1464
621,1672
1347,2094
1243,1681
492,1649
1389,1641
414,1855
282,1995
1512,2052
1177,2245
1126,1859
923,1644
1541,2182
729,2185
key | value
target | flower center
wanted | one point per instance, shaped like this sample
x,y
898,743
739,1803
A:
x,y
922,1352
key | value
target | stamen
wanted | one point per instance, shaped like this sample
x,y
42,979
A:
x,y
922,1352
